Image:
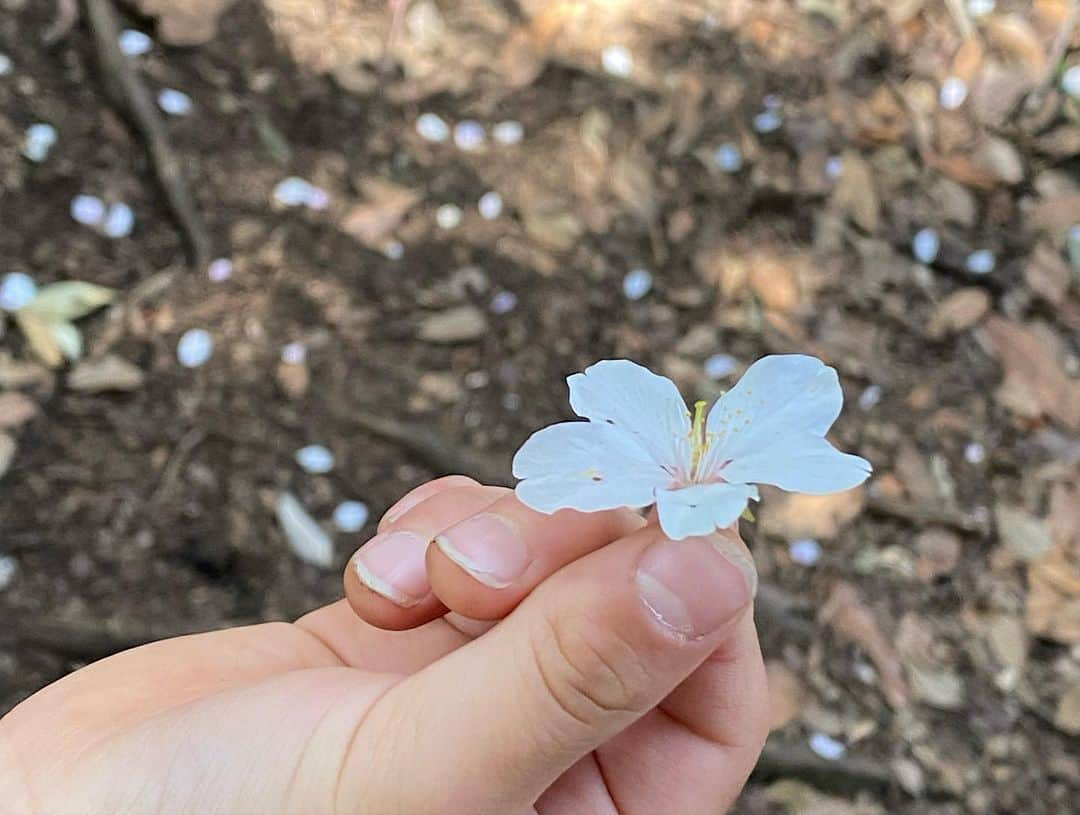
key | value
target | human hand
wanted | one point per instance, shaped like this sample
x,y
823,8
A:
x,y
624,676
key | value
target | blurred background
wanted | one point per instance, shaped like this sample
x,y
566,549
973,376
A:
x,y
324,250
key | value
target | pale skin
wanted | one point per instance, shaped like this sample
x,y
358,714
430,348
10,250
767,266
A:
x,y
617,673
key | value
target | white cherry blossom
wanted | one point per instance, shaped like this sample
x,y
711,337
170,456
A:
x,y
642,446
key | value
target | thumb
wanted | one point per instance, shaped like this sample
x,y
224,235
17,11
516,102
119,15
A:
x,y
596,646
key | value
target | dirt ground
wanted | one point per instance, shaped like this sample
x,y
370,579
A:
x,y
937,637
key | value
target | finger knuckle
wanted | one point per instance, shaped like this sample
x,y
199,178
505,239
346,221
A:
x,y
590,671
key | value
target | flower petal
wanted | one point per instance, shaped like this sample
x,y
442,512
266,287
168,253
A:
x,y
701,509
800,463
587,466
778,395
647,406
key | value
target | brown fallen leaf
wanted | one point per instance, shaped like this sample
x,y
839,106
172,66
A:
x,y
107,373
190,22
958,312
772,278
1013,34
7,453
1032,371
372,222
845,612
1048,274
792,515
856,195
1055,216
939,552
1053,602
16,410
787,693
1067,716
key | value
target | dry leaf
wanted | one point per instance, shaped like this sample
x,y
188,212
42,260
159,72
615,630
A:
x,y
968,59
1053,603
958,312
931,680
846,614
772,279
185,22
7,453
16,410
1056,216
1031,371
1048,274
939,552
855,195
793,515
108,373
372,223
787,694
1014,34
1067,716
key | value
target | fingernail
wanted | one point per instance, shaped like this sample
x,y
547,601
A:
x,y
402,506
392,565
695,586
488,547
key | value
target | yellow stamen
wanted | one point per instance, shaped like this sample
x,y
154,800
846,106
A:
x,y
698,440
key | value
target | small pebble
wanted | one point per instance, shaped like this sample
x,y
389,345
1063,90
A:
x,y
135,43
17,290
953,92
974,453
449,216
431,127
864,672
511,401
719,366
475,380
490,205
39,140
1070,81
219,270
119,221
350,516
827,747
88,210
805,551
981,261
508,132
294,353
870,397
395,250
767,121
174,102
925,245
5,65
8,567
503,302
637,284
834,167
315,459
195,348
980,8
617,61
317,198
728,157
469,135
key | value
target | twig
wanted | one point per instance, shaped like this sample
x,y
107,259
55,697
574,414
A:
x,y
1033,101
441,455
786,759
130,95
190,440
67,14
927,516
